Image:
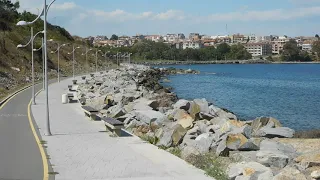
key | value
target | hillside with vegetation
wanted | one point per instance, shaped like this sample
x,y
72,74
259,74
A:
x,y
15,64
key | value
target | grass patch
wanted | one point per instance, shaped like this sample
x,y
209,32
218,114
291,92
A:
x,y
311,134
43,142
211,164
53,173
175,151
152,140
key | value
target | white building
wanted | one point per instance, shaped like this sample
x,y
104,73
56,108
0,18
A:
x,y
191,44
307,47
259,49
171,37
277,44
155,38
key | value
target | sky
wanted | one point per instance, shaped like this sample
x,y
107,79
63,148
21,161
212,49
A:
x,y
208,17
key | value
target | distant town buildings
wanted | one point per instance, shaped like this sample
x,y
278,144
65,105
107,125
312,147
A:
x,y
259,49
256,45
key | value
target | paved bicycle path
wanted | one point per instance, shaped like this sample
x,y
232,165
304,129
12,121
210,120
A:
x,y
20,156
81,149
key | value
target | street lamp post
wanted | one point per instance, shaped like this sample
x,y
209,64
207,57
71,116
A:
x,y
58,50
105,59
118,53
32,61
21,23
73,61
97,59
86,53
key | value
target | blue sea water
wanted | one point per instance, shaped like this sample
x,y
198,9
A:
x,y
288,92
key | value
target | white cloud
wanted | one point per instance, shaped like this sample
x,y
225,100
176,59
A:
x,y
64,6
269,15
170,15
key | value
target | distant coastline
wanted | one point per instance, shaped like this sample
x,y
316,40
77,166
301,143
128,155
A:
x,y
168,62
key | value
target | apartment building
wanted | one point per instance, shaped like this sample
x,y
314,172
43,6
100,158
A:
x,y
194,36
238,38
181,36
277,44
307,47
171,38
192,45
259,49
155,38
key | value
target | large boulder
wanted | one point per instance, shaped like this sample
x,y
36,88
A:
x,y
309,159
275,154
272,158
116,111
240,142
178,135
182,104
260,122
166,138
249,170
201,143
219,120
315,174
183,118
231,125
290,173
282,132
203,104
203,125
187,151
194,109
148,116
271,145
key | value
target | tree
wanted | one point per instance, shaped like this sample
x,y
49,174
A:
x,y
239,52
222,50
316,48
8,14
291,51
114,37
317,36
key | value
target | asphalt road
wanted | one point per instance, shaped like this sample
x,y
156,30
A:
x,y
20,156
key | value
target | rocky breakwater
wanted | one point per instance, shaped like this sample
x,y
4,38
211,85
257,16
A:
x,y
134,96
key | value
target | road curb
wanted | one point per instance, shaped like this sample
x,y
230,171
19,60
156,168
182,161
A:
x,y
15,93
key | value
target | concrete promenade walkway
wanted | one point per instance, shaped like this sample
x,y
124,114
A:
x,y
81,149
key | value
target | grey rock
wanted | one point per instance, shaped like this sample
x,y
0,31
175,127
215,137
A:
x,y
260,122
134,123
315,174
247,156
212,129
275,132
206,116
147,116
189,150
116,111
246,130
182,104
290,173
203,103
166,138
271,145
222,149
203,125
193,131
219,121
178,135
153,104
272,159
253,170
